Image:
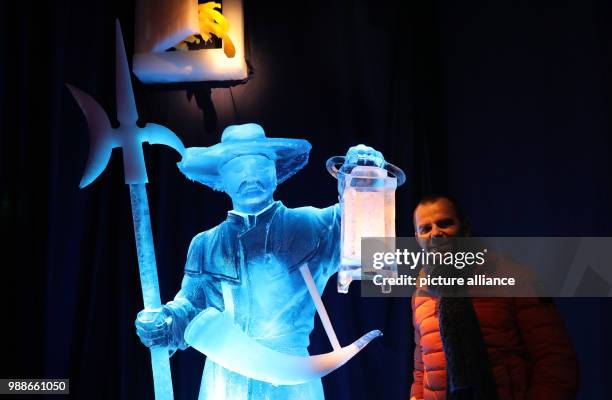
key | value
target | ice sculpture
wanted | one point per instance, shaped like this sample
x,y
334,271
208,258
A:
x,y
367,193
129,137
252,283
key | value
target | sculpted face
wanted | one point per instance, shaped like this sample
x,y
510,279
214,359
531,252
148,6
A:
x,y
250,180
435,222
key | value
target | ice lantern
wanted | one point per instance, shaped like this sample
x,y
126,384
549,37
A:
x,y
368,210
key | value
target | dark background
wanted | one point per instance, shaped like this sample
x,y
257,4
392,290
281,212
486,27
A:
x,y
504,103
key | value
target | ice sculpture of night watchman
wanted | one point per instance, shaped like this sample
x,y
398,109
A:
x,y
246,299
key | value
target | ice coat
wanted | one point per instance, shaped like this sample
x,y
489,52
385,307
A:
x,y
257,258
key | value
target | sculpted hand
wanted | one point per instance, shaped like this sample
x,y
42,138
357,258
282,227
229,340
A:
x,y
153,327
359,155
364,155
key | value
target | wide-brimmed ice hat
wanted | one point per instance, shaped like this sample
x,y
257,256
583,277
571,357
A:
x,y
202,163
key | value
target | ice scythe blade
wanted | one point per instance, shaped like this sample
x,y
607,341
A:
x,y
130,137
238,352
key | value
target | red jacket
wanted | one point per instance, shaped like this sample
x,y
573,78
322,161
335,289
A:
x,y
530,352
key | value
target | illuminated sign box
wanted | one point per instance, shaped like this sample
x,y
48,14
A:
x,y
161,24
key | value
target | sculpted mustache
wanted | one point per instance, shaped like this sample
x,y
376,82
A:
x,y
244,185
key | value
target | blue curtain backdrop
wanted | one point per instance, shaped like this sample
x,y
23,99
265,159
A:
x,y
504,103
